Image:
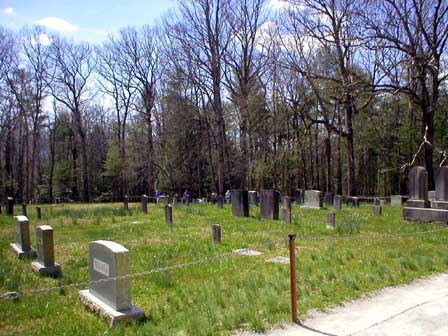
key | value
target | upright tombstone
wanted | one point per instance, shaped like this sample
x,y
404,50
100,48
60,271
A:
x,y
126,202
253,197
431,195
109,293
145,204
313,199
396,200
269,201
9,206
441,196
286,215
163,200
287,202
376,201
331,220
418,188
353,201
377,210
45,264
328,199
337,202
240,203
168,215
22,242
216,230
298,196
219,201
175,200
39,213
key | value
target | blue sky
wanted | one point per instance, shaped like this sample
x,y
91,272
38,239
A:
x,y
89,20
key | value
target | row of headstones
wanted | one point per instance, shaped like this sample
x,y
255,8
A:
x,y
269,202
10,208
109,292
22,248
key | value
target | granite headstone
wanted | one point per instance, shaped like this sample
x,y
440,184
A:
x,y
22,242
45,264
240,203
269,204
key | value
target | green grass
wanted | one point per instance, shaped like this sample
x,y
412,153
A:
x,y
217,297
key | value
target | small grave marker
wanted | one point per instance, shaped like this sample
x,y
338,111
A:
x,y
247,252
216,229
331,220
377,210
145,204
337,202
45,264
126,202
39,213
168,215
279,260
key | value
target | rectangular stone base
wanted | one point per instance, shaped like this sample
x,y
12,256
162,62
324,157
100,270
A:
x,y
111,315
439,205
52,271
417,204
425,215
21,253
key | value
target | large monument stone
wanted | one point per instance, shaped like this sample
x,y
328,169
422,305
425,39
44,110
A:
x,y
269,201
108,296
240,203
418,188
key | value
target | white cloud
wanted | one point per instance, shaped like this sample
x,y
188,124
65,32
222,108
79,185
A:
x,y
8,11
279,4
58,24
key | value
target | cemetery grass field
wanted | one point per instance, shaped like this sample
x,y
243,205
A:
x,y
222,295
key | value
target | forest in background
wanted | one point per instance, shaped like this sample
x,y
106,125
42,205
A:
x,y
334,95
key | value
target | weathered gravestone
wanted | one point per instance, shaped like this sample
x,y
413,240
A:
x,y
269,201
441,196
22,243
328,199
253,197
240,203
417,205
216,230
418,188
9,206
24,209
337,202
145,204
39,213
45,264
313,199
353,201
286,209
109,293
219,201
126,202
376,201
396,200
377,210
163,200
331,220
431,195
298,196
168,214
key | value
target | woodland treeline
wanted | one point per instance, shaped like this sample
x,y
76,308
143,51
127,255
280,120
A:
x,y
335,95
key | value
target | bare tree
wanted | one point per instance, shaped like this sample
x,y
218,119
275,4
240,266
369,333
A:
x,y
328,28
117,81
203,35
411,36
245,63
139,58
73,65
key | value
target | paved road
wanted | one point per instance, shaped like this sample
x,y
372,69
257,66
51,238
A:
x,y
417,309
